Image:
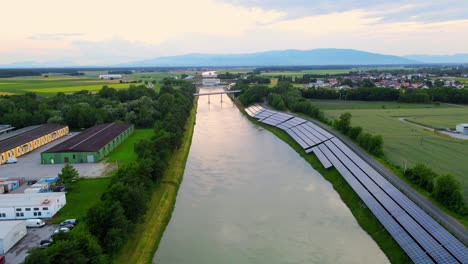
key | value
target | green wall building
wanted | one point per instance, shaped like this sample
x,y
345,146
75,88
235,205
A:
x,y
90,146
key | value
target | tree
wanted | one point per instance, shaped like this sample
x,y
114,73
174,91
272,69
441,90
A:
x,y
69,175
344,123
354,132
447,192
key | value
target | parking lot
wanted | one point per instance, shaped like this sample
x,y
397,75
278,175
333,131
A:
x,y
18,253
30,167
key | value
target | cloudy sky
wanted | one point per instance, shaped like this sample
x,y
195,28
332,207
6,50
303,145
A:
x,y
95,32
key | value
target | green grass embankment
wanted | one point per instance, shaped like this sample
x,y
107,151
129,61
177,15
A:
x,y
145,239
363,215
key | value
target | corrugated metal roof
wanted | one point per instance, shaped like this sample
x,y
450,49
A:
x,y
26,135
92,139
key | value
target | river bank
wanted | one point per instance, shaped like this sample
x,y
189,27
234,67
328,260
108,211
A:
x,y
363,215
146,236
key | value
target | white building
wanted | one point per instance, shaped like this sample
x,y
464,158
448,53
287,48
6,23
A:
x,y
462,128
318,84
10,233
17,206
210,78
110,76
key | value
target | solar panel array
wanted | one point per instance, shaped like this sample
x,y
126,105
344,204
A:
x,y
419,235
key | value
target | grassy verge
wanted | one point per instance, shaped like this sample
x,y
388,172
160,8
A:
x,y
84,195
145,239
125,153
363,215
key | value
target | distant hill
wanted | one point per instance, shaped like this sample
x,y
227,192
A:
x,y
456,58
275,58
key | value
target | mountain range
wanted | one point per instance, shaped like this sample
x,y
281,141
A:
x,y
269,58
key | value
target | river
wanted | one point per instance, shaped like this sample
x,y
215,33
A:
x,y
248,197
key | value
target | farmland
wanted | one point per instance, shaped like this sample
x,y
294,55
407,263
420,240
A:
x,y
405,142
68,84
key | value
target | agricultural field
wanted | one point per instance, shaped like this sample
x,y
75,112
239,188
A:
x,y
300,73
405,142
53,84
341,104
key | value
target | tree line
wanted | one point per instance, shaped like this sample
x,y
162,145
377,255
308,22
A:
x,y
372,143
109,223
435,94
443,188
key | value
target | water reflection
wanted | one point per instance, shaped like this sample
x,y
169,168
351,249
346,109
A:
x,y
247,197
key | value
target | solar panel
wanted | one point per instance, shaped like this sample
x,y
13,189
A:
x,y
293,122
453,245
307,140
314,132
297,139
325,162
312,136
407,243
319,130
412,227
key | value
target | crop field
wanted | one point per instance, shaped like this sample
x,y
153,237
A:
x,y
341,104
53,84
405,142
441,121
300,73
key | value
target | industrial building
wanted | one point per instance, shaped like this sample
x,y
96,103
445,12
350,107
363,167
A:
x,y
90,146
462,128
110,76
18,206
22,141
10,233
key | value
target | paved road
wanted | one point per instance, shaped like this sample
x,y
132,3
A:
x,y
449,223
18,253
453,135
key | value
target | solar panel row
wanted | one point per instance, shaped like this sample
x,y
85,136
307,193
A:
x,y
420,236
398,233
253,109
439,233
428,243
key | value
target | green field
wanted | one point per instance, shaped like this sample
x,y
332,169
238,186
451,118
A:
x,y
300,73
67,84
124,153
407,142
341,104
441,121
85,194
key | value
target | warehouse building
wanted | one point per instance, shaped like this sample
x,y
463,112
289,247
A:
x,y
10,233
90,146
110,76
22,141
462,128
19,206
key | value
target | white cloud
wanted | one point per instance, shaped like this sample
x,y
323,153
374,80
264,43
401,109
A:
x,y
109,32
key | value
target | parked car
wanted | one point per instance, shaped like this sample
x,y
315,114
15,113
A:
x,y
67,225
45,241
71,222
11,160
61,229
2,259
34,223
